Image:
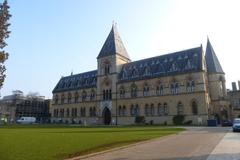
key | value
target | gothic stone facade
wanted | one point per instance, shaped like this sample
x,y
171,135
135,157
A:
x,y
189,82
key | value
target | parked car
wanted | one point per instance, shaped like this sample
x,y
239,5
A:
x,y
236,125
26,120
226,123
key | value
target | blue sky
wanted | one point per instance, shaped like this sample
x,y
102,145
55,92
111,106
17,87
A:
x,y
51,38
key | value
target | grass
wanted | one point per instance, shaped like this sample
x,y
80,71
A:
x,y
48,142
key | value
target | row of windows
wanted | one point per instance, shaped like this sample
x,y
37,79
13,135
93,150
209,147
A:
x,y
76,97
74,112
174,89
134,110
107,94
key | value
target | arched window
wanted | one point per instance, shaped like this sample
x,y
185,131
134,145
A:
x,y
146,90
83,111
179,108
68,113
69,97
90,112
56,99
159,90
152,110
133,91
119,110
165,109
84,96
132,110
146,110
76,97
137,110
94,112
107,68
160,109
122,92
174,88
62,98
124,111
194,108
190,86
92,95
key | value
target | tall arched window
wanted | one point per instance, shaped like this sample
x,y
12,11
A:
x,y
165,108
69,97
174,88
56,99
160,109
62,98
179,108
84,96
119,110
90,112
145,90
146,109
137,110
68,113
122,92
76,97
92,95
132,110
159,90
194,108
133,91
190,86
124,111
152,111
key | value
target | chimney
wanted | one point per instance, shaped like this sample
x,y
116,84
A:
x,y
238,85
234,86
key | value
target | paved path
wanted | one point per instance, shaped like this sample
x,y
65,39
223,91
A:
x,y
228,148
195,144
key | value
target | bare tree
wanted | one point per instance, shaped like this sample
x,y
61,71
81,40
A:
x,y
4,34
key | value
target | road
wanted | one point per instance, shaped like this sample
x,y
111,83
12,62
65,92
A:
x,y
195,144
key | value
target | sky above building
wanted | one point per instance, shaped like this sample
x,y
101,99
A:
x,y
52,38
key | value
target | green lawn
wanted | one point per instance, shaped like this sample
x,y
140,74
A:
x,y
59,142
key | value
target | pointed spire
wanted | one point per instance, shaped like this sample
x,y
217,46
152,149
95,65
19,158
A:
x,y
213,64
113,45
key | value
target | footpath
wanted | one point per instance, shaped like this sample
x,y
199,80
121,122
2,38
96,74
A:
x,y
228,148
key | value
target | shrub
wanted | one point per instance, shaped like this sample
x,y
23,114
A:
x,y
239,116
139,119
178,119
165,123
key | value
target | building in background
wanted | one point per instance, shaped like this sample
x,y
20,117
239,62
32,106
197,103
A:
x,y
17,105
189,82
234,98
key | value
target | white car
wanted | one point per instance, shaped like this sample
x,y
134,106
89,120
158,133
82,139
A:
x,y
236,124
26,120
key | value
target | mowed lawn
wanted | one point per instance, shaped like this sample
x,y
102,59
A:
x,y
60,142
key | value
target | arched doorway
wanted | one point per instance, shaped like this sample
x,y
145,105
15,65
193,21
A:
x,y
106,116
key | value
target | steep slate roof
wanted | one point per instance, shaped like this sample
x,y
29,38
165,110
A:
x,y
213,65
78,81
170,64
113,45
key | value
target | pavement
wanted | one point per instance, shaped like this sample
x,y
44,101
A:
x,y
197,143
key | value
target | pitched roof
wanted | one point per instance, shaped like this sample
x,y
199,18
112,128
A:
x,y
113,45
213,64
169,64
77,81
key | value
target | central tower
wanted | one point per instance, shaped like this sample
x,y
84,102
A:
x,y
110,59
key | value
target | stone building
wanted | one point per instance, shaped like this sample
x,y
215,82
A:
x,y
234,98
189,82
17,105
